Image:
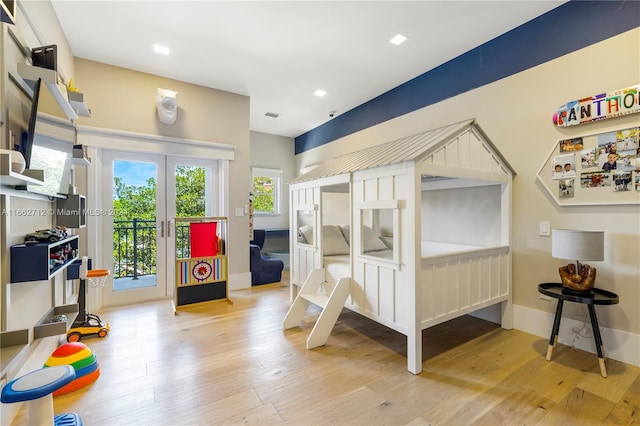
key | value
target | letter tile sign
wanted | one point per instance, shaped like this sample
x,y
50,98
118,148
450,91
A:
x,y
599,107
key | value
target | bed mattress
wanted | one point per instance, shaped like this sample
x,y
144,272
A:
x,y
337,267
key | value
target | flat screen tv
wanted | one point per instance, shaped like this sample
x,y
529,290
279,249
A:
x,y
48,145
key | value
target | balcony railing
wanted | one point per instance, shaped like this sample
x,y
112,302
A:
x,y
134,247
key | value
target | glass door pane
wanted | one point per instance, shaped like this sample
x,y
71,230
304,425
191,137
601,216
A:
x,y
135,192
191,193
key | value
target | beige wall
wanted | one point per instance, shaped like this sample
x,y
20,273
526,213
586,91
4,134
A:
x,y
124,100
274,152
516,112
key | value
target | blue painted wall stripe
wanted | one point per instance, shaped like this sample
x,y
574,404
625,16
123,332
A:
x,y
569,27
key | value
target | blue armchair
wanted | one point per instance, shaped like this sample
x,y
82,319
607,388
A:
x,y
263,269
259,235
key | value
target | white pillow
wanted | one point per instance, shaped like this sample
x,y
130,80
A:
x,y
333,242
345,233
305,233
370,240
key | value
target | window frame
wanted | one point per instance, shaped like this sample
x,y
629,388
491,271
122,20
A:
x,y
276,176
394,207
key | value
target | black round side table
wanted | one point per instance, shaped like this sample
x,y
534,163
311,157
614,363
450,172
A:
x,y
590,298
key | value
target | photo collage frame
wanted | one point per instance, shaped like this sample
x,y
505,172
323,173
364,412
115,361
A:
x,y
595,169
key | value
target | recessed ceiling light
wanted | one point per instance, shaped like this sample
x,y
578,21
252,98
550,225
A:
x,y
161,49
398,39
320,93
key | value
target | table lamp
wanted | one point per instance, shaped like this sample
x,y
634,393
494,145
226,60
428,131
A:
x,y
581,246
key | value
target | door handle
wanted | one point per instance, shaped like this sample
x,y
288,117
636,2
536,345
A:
x,y
162,229
168,229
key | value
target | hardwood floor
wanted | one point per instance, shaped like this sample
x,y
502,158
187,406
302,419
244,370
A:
x,y
215,363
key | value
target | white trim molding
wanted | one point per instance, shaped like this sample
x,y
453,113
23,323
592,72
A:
x,y
619,345
239,281
153,144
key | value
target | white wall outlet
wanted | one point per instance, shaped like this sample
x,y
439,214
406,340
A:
x,y
544,228
239,212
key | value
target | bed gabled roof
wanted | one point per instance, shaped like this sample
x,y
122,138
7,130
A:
x,y
409,148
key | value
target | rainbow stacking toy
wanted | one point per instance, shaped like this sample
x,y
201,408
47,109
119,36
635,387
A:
x,y
80,357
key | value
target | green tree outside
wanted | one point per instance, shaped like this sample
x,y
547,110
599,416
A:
x,y
263,194
139,202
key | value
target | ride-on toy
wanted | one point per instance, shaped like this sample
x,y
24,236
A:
x,y
88,324
92,325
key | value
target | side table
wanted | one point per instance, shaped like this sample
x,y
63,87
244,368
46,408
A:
x,y
590,298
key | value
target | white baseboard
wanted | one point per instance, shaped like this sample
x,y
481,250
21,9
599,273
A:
x,y
619,345
239,281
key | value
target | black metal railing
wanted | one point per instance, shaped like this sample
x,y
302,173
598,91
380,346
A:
x,y
134,247
183,246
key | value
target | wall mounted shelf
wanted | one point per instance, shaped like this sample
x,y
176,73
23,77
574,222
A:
x,y
47,327
71,211
10,178
13,344
31,262
72,103
76,99
80,155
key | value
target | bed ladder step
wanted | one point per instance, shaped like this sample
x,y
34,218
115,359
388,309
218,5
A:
x,y
331,305
318,299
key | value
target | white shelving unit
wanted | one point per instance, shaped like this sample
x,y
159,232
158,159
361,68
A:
x,y
80,156
72,103
10,178
76,99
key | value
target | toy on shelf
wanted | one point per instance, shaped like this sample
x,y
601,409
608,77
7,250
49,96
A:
x,y
88,324
46,236
61,255
81,358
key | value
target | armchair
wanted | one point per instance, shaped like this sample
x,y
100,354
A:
x,y
263,270
259,235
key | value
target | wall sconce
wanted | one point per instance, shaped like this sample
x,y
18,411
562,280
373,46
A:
x,y
167,104
581,246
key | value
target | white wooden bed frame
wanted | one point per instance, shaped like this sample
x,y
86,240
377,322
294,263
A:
x,y
425,282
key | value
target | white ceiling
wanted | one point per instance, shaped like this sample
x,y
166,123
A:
x,y
280,52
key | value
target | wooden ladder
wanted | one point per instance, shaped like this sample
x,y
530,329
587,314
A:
x,y
331,305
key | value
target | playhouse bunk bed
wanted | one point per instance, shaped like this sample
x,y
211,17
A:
x,y
418,228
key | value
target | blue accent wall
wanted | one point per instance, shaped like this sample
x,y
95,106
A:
x,y
569,27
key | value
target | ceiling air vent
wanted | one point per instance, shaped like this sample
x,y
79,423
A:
x,y
272,114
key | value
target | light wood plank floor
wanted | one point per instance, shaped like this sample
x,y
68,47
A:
x,y
216,363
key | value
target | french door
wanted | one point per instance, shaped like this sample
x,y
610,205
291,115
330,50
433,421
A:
x,y
142,195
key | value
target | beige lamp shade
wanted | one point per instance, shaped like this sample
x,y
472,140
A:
x,y
573,244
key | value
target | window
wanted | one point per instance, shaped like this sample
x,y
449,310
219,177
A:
x,y
379,230
266,191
